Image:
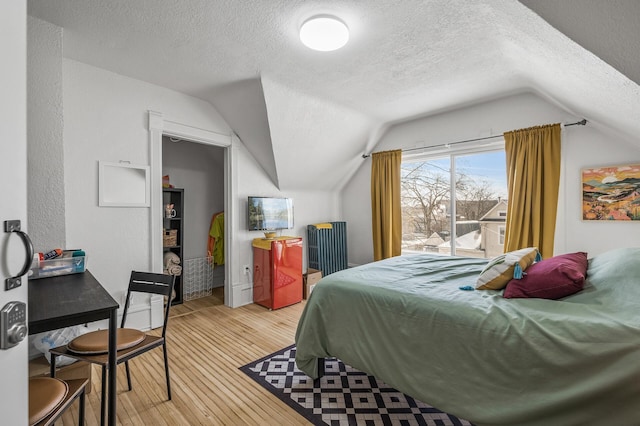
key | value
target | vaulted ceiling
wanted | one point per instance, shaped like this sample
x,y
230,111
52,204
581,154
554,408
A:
x,y
405,59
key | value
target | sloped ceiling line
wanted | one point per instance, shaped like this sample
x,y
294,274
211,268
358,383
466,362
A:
x,y
242,105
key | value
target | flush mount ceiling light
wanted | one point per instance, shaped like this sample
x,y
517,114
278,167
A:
x,y
324,33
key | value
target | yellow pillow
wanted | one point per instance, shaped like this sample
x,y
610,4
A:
x,y
500,270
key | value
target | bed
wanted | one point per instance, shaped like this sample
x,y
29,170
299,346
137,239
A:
x,y
477,355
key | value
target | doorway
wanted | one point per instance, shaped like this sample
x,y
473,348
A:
x,y
193,200
159,126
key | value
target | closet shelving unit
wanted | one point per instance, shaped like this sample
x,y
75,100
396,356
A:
x,y
175,196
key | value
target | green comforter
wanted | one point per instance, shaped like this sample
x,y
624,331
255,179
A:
x,y
477,355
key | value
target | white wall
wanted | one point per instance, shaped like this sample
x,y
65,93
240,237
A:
x,y
104,120
587,147
199,170
582,147
46,210
105,117
309,207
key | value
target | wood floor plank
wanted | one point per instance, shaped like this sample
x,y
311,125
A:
x,y
207,343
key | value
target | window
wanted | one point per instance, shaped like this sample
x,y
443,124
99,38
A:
x,y
473,225
426,191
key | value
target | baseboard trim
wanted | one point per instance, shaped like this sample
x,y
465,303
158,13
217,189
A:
x,y
242,294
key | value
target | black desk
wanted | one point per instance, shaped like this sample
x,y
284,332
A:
x,y
74,299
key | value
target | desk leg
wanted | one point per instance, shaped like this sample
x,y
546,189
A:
x,y
113,372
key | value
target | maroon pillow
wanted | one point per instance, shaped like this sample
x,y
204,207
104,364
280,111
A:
x,y
552,278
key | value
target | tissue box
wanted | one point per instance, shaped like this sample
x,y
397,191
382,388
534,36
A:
x,y
57,266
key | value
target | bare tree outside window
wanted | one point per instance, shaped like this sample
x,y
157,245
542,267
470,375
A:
x,y
474,198
425,196
426,204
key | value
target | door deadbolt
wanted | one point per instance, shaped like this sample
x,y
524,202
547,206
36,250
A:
x,y
13,324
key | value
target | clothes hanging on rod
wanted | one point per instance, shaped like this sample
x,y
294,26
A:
x,y
215,243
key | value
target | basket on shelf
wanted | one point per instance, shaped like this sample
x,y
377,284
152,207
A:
x,y
170,238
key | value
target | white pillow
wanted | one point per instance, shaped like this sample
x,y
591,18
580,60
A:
x,y
500,270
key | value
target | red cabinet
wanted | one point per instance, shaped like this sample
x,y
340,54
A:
x,y
277,271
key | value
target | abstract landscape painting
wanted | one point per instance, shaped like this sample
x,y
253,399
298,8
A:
x,y
611,193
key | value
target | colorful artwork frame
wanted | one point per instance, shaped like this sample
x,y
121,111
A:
x,y
611,193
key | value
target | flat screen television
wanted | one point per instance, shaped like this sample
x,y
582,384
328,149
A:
x,y
270,213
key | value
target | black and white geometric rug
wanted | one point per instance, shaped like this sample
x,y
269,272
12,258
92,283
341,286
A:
x,y
345,396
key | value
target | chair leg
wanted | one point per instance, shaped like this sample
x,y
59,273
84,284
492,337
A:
x,y
103,397
81,407
166,369
52,368
126,366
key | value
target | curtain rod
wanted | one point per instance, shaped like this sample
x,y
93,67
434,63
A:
x,y
582,122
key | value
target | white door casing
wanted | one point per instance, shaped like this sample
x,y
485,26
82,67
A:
x,y
160,126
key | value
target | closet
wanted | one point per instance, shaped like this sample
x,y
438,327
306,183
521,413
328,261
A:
x,y
196,172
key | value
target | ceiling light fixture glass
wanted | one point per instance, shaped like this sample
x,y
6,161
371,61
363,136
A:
x,y
324,33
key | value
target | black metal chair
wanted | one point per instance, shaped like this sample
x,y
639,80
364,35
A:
x,y
93,347
49,398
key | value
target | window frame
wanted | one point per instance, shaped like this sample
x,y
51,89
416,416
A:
x,y
447,150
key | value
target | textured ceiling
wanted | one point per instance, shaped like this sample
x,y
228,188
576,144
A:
x,y
609,28
405,59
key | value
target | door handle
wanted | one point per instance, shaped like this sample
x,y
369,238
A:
x,y
14,226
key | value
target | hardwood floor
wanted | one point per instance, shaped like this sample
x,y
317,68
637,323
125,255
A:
x,y
207,343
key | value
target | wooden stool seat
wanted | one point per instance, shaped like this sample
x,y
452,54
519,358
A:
x,y
97,342
45,395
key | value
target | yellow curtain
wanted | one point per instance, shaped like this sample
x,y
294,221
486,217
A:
x,y
533,178
385,204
